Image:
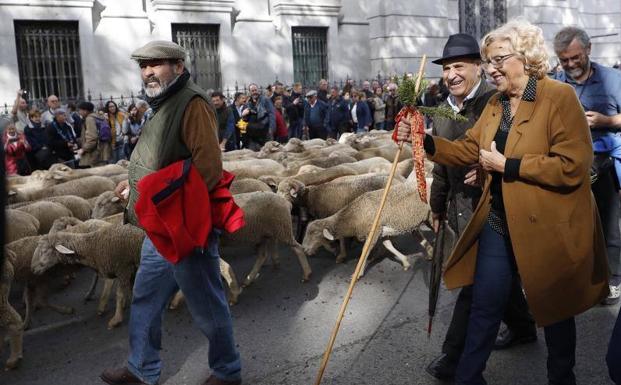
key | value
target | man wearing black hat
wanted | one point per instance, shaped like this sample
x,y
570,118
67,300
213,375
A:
x,y
454,196
183,126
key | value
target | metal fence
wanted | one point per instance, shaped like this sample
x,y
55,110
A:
x,y
124,100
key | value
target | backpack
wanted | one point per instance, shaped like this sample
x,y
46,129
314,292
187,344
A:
x,y
103,128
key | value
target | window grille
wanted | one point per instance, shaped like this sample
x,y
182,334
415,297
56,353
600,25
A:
x,y
201,42
478,17
48,57
310,55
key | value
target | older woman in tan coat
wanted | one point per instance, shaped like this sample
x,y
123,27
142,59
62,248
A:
x,y
537,217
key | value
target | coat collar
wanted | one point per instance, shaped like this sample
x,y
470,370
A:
x,y
523,114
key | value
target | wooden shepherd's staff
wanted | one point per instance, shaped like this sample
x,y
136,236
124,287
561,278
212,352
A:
x,y
365,249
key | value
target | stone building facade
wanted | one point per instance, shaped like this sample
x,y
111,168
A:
x,y
71,47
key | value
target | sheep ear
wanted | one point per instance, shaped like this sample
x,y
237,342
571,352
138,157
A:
x,y
63,250
293,192
115,199
12,192
58,177
328,235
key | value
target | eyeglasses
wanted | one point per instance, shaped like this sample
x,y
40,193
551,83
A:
x,y
498,61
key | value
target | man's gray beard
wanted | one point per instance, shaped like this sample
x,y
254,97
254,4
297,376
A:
x,y
579,71
155,92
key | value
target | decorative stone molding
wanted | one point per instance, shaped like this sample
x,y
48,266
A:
x,y
194,5
307,8
50,3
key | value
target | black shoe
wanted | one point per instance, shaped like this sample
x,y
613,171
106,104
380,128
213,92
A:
x,y
120,376
442,367
507,338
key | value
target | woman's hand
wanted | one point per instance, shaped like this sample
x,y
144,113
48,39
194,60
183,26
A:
x,y
404,131
492,160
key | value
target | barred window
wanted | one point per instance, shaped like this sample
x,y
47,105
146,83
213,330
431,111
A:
x,y
201,42
478,17
48,56
310,54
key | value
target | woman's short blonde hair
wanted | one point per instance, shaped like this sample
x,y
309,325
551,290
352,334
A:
x,y
527,41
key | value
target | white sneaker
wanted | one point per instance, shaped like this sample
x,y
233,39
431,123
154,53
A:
x,y
613,297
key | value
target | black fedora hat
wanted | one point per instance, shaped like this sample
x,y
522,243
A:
x,y
459,45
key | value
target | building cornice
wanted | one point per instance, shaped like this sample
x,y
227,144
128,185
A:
x,y
225,6
292,8
50,3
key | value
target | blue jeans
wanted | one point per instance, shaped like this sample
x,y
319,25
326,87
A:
x,y
495,271
118,153
198,276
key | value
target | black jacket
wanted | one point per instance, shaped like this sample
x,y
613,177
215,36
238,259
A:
x,y
449,194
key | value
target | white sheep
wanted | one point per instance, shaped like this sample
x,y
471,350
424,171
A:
x,y
86,187
244,185
404,212
46,212
107,204
9,318
268,220
20,225
387,151
113,251
253,168
79,207
326,199
107,170
36,288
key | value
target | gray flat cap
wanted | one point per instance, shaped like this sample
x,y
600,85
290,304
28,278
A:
x,y
159,49
311,93
60,111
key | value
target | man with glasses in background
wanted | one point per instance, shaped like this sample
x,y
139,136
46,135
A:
x,y
599,91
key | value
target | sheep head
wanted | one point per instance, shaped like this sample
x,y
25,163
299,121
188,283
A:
x,y
64,223
315,237
290,189
271,181
107,204
45,255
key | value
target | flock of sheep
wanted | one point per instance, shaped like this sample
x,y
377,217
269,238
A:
x,y
317,192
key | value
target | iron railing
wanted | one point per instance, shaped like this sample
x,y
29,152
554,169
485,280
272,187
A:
x,y
310,54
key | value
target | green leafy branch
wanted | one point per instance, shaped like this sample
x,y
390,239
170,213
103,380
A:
x,y
406,91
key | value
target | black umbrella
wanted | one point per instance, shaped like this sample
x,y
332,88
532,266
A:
x,y
435,276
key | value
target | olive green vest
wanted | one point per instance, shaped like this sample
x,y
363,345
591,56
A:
x,y
161,142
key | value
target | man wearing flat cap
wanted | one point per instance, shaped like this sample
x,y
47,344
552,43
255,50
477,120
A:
x,y
182,126
316,116
455,194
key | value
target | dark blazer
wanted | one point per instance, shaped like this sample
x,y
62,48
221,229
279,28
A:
x,y
363,113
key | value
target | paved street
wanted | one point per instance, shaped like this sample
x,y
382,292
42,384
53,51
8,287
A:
x,y
282,327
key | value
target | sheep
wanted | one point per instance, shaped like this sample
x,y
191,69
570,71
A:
x,y
268,220
79,207
113,251
21,225
313,178
86,187
334,159
9,318
253,168
240,186
326,199
404,212
238,155
387,151
371,165
74,225
107,170
119,178
35,287
107,204
46,212
123,163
